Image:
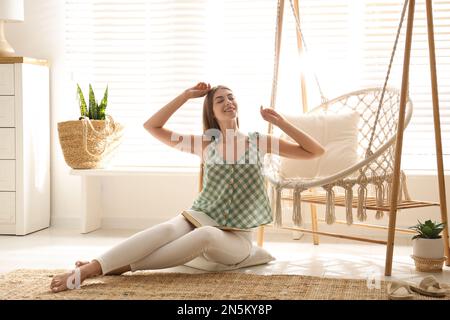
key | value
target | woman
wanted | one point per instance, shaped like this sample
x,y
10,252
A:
x,y
233,190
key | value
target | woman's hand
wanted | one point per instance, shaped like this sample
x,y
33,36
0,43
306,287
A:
x,y
197,91
270,115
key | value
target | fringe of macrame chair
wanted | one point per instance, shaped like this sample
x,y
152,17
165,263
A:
x,y
388,191
383,193
272,197
297,207
379,193
402,189
349,204
330,214
405,186
362,196
278,212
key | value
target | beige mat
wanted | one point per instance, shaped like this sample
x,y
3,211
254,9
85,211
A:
x,y
34,284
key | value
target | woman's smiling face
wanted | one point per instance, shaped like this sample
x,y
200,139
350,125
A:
x,y
224,105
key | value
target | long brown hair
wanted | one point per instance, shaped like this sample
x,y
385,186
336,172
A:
x,y
209,121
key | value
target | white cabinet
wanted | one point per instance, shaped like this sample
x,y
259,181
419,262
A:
x,y
24,145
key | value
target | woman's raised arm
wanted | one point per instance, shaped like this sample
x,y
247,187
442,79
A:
x,y
155,124
306,147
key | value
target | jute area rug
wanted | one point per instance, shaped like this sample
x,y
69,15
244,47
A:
x,y
148,285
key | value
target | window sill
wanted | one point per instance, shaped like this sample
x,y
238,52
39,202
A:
x,y
136,171
143,171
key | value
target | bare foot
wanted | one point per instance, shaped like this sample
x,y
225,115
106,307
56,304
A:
x,y
61,281
70,280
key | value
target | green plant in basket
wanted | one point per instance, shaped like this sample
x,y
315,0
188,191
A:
x,y
428,230
95,111
90,141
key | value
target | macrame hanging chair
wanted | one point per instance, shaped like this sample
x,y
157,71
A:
x,y
378,109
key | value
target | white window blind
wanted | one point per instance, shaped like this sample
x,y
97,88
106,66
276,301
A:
x,y
349,46
149,51
380,23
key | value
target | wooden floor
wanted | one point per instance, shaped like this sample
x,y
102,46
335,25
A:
x,y
57,248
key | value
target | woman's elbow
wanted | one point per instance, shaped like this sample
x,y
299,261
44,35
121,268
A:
x,y
149,126
150,129
314,154
320,152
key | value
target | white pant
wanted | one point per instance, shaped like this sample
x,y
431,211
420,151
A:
x,y
174,243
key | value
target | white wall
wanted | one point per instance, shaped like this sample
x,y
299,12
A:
x,y
133,202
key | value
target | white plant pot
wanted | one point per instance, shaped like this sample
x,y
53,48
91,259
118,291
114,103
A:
x,y
428,248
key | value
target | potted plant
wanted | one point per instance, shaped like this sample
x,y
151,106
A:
x,y
96,111
428,247
89,142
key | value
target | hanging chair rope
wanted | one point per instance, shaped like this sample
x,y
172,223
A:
x,y
394,49
299,29
278,28
375,168
386,80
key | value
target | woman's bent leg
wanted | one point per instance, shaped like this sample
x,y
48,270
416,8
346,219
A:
x,y
143,243
217,245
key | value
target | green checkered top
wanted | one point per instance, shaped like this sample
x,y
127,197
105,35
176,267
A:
x,y
234,195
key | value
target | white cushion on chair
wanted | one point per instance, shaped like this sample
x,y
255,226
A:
x,y
257,256
338,133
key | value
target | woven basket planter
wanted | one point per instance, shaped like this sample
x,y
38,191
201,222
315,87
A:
x,y
427,264
428,254
89,144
